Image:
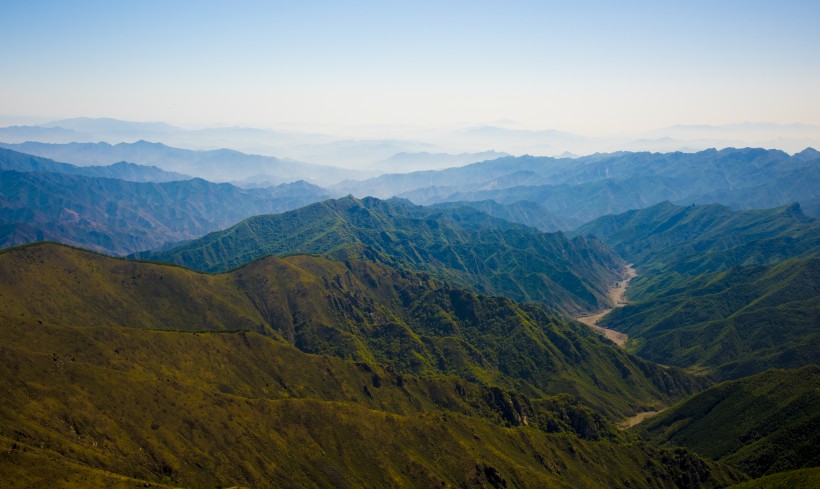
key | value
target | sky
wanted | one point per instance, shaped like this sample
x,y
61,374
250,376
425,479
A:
x,y
580,66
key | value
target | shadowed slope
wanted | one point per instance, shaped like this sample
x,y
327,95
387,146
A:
x,y
728,292
762,424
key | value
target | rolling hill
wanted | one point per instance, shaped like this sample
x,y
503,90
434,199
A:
x,y
353,309
762,424
310,372
460,245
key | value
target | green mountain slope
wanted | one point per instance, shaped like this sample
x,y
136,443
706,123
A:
x,y
158,373
356,310
762,424
523,212
462,246
731,293
703,238
793,479
217,410
733,323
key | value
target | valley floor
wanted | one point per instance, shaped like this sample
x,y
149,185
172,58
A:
x,y
617,294
638,418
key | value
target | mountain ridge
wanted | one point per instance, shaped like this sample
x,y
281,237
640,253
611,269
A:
x,y
462,245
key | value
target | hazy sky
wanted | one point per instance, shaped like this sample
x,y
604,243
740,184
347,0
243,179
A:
x,y
589,67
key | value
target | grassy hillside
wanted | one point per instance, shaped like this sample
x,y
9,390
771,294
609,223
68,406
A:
x,y
460,245
733,323
355,310
216,410
762,424
793,479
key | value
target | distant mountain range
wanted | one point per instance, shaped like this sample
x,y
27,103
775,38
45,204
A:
x,y
120,217
215,165
581,189
13,160
457,244
408,162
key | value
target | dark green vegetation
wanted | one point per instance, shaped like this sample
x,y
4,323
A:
x,y
115,368
581,189
120,217
793,479
762,424
730,293
460,245
12,160
733,323
690,240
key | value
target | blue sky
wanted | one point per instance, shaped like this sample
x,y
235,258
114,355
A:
x,y
590,67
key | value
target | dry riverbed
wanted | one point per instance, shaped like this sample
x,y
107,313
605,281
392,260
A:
x,y
632,421
616,294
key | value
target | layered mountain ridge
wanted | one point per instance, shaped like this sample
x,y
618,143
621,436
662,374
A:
x,y
459,244
117,216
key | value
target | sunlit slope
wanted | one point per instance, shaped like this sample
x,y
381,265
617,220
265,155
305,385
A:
x,y
223,409
355,310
